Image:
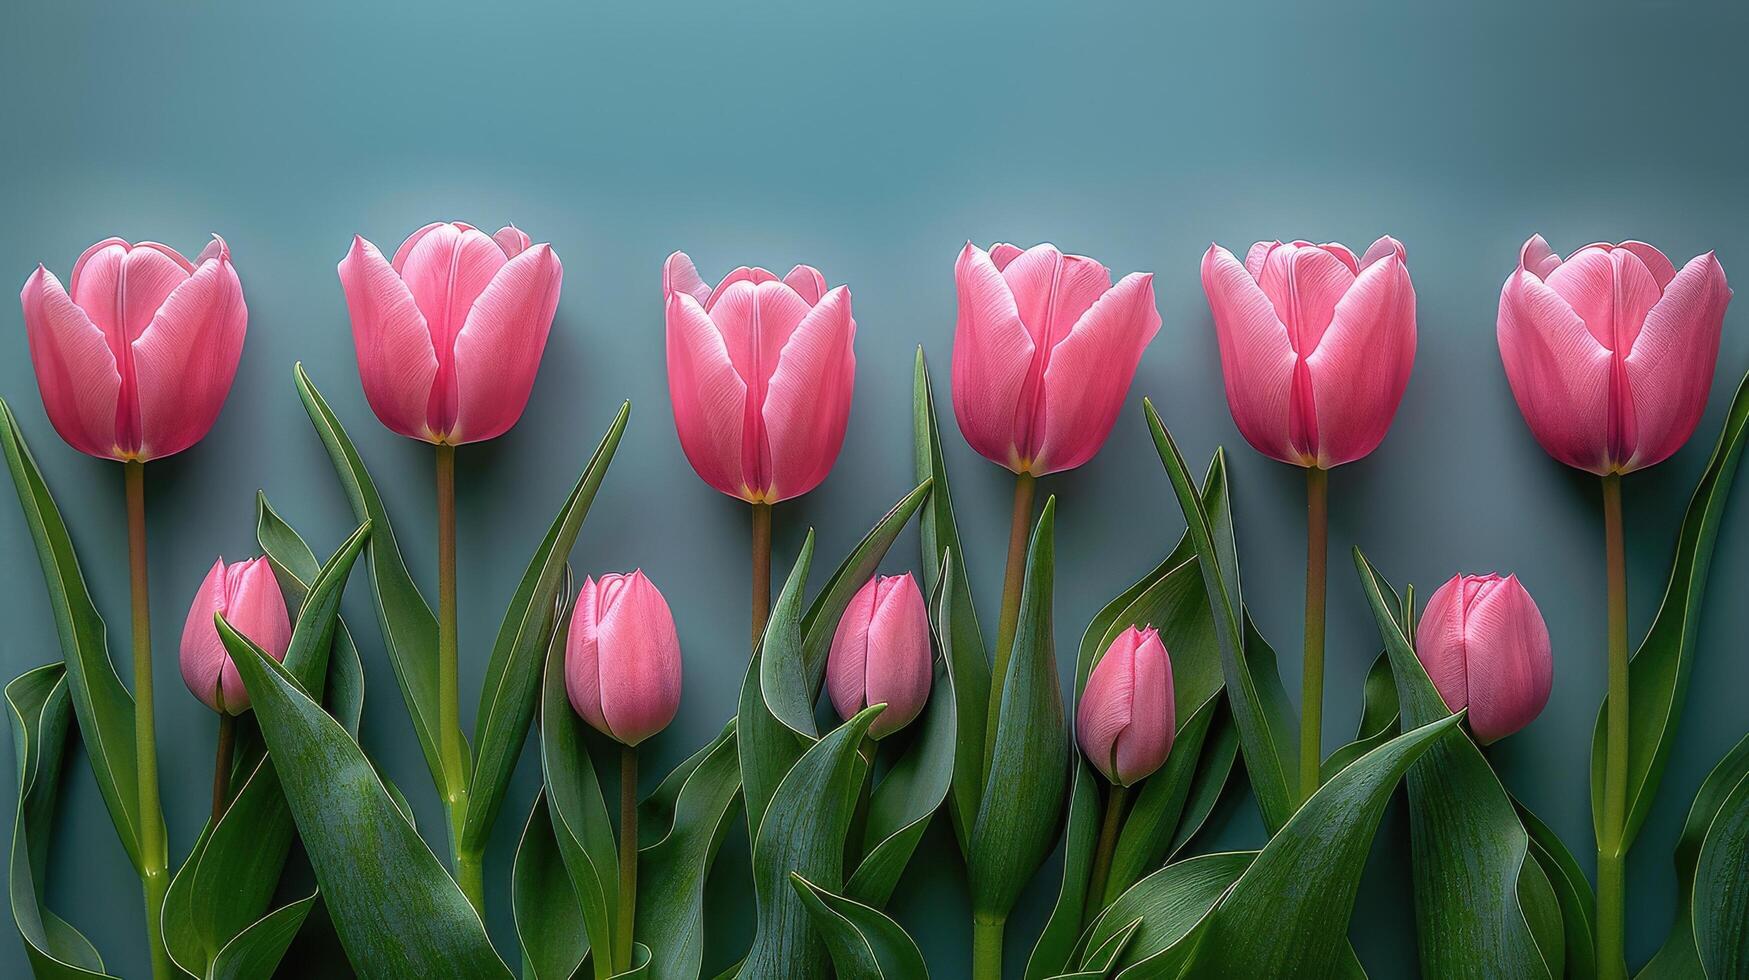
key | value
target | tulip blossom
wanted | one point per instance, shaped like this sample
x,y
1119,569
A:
x,y
760,373
1486,648
622,658
135,357
1125,721
1610,354
247,595
1044,352
881,654
450,331
1316,345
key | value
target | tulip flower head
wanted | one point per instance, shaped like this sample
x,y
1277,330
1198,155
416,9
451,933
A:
x,y
1126,718
1485,646
760,374
1044,353
134,359
1610,354
622,658
247,595
1316,345
881,654
451,330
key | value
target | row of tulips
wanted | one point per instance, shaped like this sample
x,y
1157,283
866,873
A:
x,y
1610,355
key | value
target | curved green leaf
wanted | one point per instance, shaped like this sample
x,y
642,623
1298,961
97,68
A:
x,y
1213,772
641,965
38,703
507,696
1659,670
783,681
1057,941
1103,959
1170,905
1468,848
863,942
549,921
828,607
1379,716
688,816
395,908
408,626
1721,889
103,706
1680,956
804,831
1572,892
767,746
257,950
1024,791
1152,823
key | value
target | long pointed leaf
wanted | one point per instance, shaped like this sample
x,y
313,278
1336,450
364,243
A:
x,y
1680,957
690,814
549,921
863,942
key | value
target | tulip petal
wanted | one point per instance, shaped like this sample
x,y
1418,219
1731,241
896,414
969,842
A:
x,y
498,351
75,368
1304,283
1509,672
406,247
640,680
992,356
1090,372
1343,254
446,270
808,283
847,662
397,363
185,360
1385,246
1656,262
807,402
1105,706
512,240
1439,643
583,656
256,608
1257,360
1558,372
753,275
121,286
1361,367
203,657
1670,370
707,394
1258,254
1052,290
1537,258
906,665
1145,742
1610,289
680,275
1003,253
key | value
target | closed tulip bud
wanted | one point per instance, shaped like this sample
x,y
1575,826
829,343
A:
x,y
450,331
1486,648
247,595
760,374
1316,345
1044,352
134,359
881,654
622,658
1610,354
1126,719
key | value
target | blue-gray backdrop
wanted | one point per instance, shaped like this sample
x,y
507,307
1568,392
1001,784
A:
x,y
872,140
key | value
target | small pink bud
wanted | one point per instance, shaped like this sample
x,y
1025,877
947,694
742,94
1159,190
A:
x,y
1485,646
622,658
881,654
248,595
1126,719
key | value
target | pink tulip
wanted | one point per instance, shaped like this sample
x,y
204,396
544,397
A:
x,y
1485,646
760,372
1126,719
450,332
135,360
1316,345
881,654
622,658
248,596
1044,353
1611,353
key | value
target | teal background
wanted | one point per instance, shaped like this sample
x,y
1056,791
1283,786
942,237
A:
x,y
872,140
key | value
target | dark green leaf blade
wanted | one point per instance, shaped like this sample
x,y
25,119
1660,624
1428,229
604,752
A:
x,y
862,941
828,607
1679,958
1055,950
767,746
1721,889
1171,904
689,814
1572,891
783,679
256,951
549,921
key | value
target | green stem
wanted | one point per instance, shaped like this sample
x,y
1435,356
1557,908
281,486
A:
x,y
222,764
154,853
761,569
1114,811
987,946
1013,581
1312,673
628,855
455,766
1611,844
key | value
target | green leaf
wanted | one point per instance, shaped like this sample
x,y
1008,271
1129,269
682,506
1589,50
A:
x,y
38,702
954,618
395,908
1259,704
783,679
549,921
1378,716
1287,915
1680,956
258,949
1170,904
1572,893
507,697
1468,849
1721,889
1213,772
641,965
575,806
1152,823
863,942
1103,959
1025,789
409,629
1057,941
1658,673
804,831
688,816
102,705
767,747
